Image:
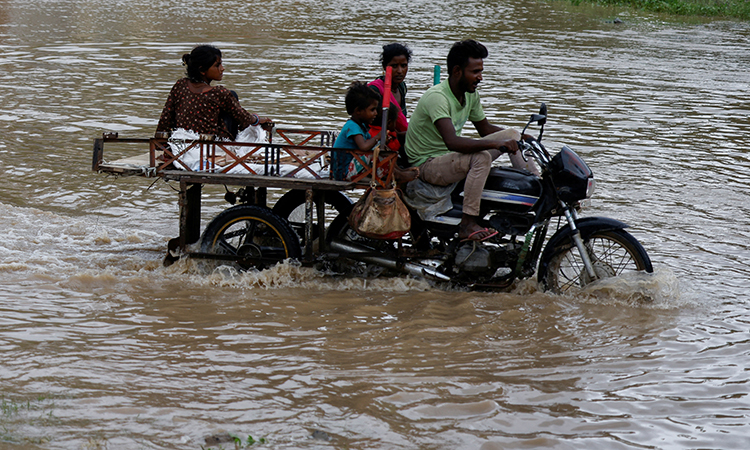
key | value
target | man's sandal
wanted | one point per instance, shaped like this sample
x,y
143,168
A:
x,y
492,232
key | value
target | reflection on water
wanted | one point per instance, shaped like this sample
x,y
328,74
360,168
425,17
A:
x,y
102,347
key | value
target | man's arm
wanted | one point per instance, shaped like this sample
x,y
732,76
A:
x,y
467,145
484,127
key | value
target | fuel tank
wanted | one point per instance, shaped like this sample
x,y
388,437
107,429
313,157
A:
x,y
507,189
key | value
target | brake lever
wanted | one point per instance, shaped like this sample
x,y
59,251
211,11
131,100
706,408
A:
x,y
523,147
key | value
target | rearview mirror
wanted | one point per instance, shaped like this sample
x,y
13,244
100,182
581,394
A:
x,y
540,118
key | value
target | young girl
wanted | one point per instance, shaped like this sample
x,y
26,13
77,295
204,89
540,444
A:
x,y
362,106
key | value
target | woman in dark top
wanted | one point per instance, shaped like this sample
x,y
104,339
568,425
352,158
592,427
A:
x,y
193,104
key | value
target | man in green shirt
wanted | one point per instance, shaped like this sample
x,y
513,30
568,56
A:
x,y
434,142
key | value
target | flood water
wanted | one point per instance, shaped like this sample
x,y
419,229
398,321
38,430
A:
x,y
102,347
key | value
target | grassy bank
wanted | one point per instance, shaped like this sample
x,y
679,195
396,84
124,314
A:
x,y
739,9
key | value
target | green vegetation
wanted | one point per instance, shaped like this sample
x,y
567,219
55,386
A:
x,y
739,9
238,443
18,416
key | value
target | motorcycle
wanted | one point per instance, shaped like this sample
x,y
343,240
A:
x,y
521,207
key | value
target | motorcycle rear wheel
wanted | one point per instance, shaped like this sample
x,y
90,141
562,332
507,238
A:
x,y
612,252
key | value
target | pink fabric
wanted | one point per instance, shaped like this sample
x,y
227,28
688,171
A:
x,y
401,123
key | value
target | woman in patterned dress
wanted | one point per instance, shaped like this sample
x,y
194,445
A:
x,y
193,104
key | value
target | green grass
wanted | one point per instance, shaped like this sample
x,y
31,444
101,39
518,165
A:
x,y
238,443
17,416
738,9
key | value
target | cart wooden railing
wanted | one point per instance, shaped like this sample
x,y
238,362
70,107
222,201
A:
x,y
224,157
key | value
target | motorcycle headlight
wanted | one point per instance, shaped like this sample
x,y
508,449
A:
x,y
590,187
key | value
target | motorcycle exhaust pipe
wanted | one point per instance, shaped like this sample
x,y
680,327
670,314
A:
x,y
364,254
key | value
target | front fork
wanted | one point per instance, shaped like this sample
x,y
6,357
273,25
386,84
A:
x,y
571,216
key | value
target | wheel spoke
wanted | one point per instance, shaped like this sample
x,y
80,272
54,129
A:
x,y
249,236
570,269
612,254
234,234
222,244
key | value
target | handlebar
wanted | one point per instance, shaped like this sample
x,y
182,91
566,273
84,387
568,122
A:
x,y
531,147
534,149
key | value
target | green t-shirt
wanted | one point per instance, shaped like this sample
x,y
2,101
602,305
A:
x,y
423,140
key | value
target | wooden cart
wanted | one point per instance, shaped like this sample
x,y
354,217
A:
x,y
251,233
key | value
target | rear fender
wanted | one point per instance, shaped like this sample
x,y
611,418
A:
x,y
561,239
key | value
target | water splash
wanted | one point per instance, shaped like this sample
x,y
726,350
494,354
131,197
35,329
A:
x,y
658,290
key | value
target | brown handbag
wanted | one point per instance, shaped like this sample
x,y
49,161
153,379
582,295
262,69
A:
x,y
380,214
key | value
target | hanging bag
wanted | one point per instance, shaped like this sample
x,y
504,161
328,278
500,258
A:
x,y
380,213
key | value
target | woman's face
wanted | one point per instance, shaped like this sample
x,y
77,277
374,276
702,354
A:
x,y
400,66
215,72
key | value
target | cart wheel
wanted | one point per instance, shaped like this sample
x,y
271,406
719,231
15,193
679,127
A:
x,y
291,206
253,234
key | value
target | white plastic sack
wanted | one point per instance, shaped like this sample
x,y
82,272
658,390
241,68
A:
x,y
181,139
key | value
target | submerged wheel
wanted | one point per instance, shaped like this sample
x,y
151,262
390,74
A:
x,y
612,253
291,206
254,234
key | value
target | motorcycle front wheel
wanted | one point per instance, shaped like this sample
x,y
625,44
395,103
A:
x,y
612,253
251,236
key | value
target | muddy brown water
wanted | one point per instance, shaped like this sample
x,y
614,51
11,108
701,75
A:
x,y
102,347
